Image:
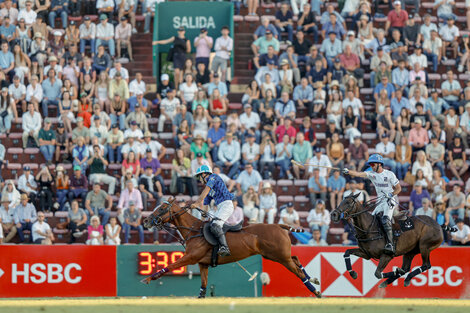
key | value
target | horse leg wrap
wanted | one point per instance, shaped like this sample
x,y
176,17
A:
x,y
417,271
159,273
309,285
202,292
347,260
305,272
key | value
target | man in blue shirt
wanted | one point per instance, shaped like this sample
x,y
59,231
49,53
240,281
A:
x,y
336,185
215,136
7,30
51,90
317,186
59,8
398,103
215,189
384,84
7,61
217,84
138,98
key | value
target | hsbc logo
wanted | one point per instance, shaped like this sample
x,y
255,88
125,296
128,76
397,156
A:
x,y
330,269
51,273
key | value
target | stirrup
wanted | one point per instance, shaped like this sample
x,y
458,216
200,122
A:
x,y
224,251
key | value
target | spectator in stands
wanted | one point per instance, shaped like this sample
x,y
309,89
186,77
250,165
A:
x,y
25,215
425,208
396,19
284,23
252,6
336,185
357,153
128,194
26,183
29,15
331,47
78,185
132,218
456,204
451,90
387,149
87,36
283,156
138,116
9,10
386,125
168,109
449,34
403,158
119,86
150,186
307,21
62,183
95,203
435,153
462,236
105,35
113,232
10,192
41,231
435,106
59,8
423,164
457,158
101,63
95,232
444,9
301,153
248,177
46,138
123,34
115,141
250,151
203,44
237,216
97,164
319,219
148,10
7,219
34,94
44,180
80,154
285,107
267,204
223,47
418,136
263,27
335,151
433,50
289,216
250,205
417,195
52,91
400,78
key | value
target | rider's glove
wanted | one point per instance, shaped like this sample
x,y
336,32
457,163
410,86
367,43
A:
x,y
345,171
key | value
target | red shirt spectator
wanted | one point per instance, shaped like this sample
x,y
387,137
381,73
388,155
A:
x,y
397,17
281,130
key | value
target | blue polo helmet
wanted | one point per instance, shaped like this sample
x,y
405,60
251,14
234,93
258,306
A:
x,y
376,158
203,169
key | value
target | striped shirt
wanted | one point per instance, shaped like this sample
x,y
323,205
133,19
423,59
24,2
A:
x,y
218,192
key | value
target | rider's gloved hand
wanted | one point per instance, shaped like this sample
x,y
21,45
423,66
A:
x,y
345,171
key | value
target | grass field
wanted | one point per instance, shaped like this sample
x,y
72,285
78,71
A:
x,y
239,305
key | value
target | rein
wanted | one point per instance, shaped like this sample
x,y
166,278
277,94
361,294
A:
x,y
348,217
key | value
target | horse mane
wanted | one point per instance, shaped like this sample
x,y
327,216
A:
x,y
371,204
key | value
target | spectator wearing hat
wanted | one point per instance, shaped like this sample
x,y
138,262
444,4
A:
x,y
31,124
139,117
181,46
115,140
229,155
284,22
29,15
267,204
106,7
7,220
132,220
87,36
457,158
123,32
47,140
264,27
462,236
261,44
418,136
150,186
51,91
386,148
41,232
168,108
410,32
375,62
25,215
319,219
38,51
290,217
331,47
105,34
78,184
118,86
396,19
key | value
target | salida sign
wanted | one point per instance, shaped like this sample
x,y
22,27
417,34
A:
x,y
446,279
57,271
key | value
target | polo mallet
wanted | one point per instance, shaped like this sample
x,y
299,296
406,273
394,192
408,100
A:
x,y
303,166
246,271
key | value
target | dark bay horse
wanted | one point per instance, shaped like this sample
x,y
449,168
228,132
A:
x,y
271,241
426,236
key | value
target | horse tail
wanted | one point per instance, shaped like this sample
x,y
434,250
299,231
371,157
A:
x,y
291,229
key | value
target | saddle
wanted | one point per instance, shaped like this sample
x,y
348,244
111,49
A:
x,y
212,240
401,223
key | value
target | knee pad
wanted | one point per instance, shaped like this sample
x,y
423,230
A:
x,y
216,228
385,219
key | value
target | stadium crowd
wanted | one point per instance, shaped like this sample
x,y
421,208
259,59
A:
x,y
104,154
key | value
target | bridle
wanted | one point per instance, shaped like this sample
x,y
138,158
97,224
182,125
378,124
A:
x,y
345,215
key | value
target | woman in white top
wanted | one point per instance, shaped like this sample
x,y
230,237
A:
x,y
451,124
268,84
101,91
201,122
250,203
438,185
423,164
7,111
113,231
335,109
188,90
13,195
319,219
267,204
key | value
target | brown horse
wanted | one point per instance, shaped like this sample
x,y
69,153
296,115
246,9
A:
x,y
426,236
270,241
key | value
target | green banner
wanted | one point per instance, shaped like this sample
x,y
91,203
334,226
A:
x,y
134,262
193,16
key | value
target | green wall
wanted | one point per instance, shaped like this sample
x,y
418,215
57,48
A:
x,y
228,280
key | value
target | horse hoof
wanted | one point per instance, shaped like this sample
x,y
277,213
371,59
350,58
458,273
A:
x,y
317,293
407,283
383,285
315,281
201,297
353,274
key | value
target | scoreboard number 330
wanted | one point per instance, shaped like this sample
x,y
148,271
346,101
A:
x,y
151,262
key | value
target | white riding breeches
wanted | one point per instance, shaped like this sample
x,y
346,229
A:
x,y
224,211
387,207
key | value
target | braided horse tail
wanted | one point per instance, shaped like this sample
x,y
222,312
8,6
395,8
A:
x,y
291,229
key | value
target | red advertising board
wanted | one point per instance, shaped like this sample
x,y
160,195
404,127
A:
x,y
57,271
448,278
